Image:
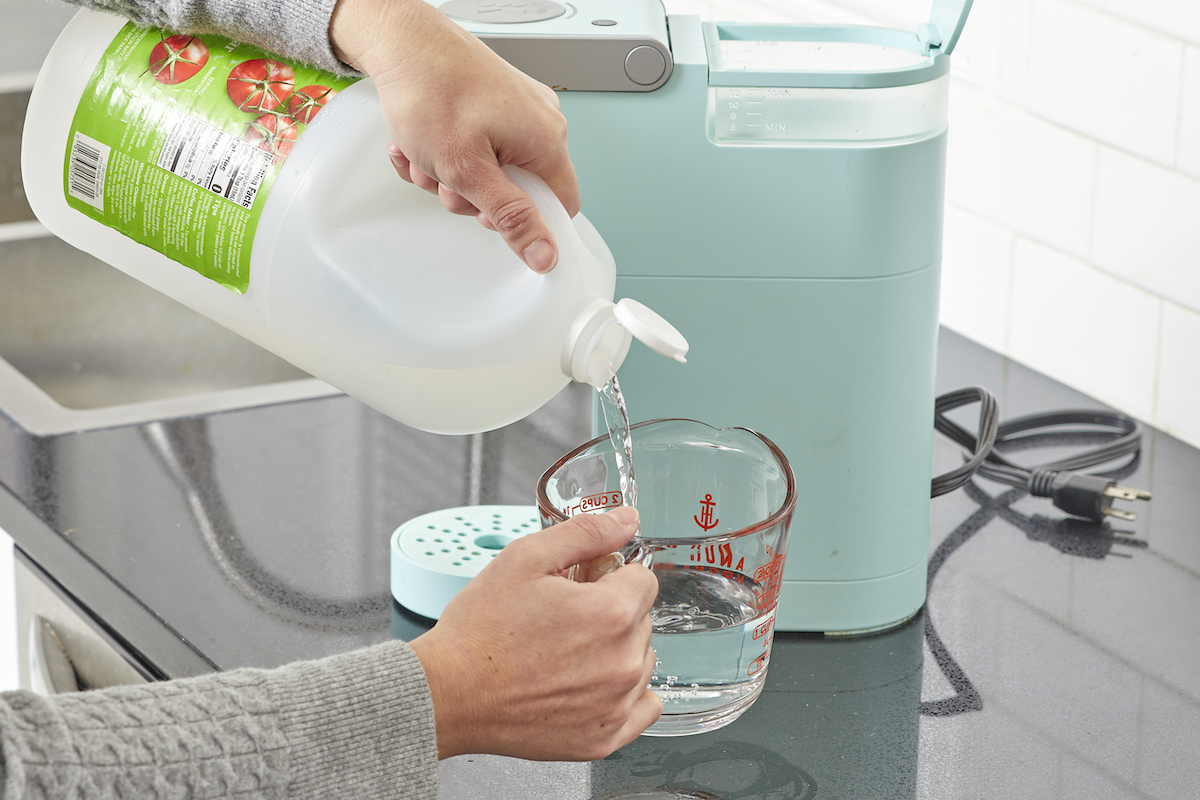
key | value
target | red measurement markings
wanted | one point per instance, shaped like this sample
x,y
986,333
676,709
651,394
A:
x,y
768,576
762,635
596,502
717,555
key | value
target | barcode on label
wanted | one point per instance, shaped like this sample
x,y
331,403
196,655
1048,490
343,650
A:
x,y
86,168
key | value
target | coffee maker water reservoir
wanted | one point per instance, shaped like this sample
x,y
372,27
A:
x,y
776,191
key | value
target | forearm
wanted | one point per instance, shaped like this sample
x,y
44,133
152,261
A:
x,y
388,38
359,725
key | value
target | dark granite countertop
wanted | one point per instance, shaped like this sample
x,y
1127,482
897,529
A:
x,y
1054,658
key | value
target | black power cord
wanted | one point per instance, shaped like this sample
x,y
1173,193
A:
x,y
979,445
1109,439
1114,436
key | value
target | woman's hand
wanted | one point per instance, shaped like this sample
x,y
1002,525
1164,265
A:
x,y
527,663
458,113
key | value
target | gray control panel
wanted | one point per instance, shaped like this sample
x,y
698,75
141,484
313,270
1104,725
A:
x,y
596,46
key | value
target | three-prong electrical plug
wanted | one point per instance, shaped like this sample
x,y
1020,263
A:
x,y
1087,496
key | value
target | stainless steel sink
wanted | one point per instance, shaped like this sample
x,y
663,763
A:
x,y
84,346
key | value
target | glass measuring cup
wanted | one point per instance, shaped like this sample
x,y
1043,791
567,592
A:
x,y
715,506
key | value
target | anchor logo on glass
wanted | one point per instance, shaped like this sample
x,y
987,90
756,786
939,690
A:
x,y
706,520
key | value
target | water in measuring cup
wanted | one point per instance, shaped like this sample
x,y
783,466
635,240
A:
x,y
712,644
616,417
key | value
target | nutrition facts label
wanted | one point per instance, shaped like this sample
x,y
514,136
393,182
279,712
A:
x,y
214,160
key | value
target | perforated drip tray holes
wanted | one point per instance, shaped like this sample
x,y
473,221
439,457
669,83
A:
x,y
436,554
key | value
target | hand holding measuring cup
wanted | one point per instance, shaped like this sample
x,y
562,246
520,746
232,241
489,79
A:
x,y
715,508
527,663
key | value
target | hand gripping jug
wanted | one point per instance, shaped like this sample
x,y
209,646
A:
x,y
176,159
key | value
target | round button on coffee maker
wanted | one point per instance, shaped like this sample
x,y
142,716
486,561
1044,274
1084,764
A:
x,y
645,65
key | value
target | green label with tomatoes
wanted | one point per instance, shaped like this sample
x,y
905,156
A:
x,y
177,140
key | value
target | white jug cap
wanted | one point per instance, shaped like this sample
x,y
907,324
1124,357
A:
x,y
651,329
600,337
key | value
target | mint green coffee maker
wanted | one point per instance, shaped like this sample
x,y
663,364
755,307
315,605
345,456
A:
x,y
776,191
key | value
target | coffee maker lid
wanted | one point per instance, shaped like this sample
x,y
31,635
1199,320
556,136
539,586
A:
x,y
946,21
916,57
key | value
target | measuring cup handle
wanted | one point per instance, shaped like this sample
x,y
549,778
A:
x,y
636,551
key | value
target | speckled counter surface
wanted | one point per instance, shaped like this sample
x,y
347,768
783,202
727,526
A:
x,y
1054,659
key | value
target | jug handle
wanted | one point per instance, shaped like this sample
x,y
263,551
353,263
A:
x,y
547,202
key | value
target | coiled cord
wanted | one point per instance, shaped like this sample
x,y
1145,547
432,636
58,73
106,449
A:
x,y
1113,436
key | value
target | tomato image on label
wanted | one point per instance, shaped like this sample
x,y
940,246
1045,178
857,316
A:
x,y
304,103
177,58
213,117
274,133
261,84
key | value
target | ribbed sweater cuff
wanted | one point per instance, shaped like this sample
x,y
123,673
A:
x,y
296,29
359,725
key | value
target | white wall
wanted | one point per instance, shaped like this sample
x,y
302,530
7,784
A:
x,y
1073,218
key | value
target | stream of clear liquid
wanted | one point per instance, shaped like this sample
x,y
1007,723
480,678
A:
x,y
616,417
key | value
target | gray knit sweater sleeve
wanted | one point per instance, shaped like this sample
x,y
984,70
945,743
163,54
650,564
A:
x,y
358,725
298,29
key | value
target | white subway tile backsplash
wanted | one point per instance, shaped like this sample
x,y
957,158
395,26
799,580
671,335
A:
x,y
1019,171
1106,78
1189,114
977,261
1178,410
1007,26
1087,329
1179,18
1147,228
993,52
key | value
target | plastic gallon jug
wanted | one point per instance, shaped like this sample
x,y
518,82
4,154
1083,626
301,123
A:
x,y
259,193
